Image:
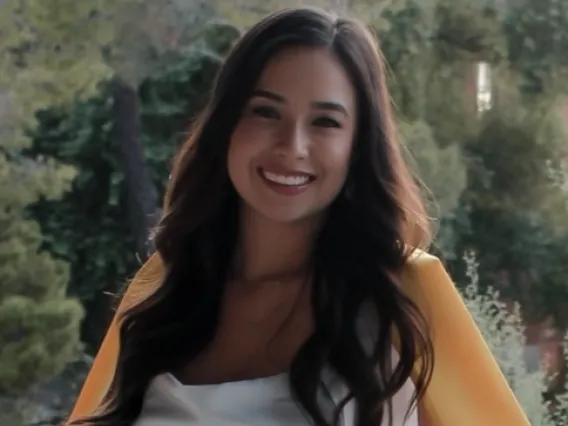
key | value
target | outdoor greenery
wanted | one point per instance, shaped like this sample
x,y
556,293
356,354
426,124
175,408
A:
x,y
102,256
504,332
95,97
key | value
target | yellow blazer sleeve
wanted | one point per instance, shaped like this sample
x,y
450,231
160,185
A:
x,y
467,387
101,374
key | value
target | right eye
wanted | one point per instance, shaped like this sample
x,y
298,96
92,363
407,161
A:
x,y
266,112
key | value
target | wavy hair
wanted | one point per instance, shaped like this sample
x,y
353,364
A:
x,y
360,254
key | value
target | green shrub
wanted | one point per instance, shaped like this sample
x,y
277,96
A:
x,y
504,332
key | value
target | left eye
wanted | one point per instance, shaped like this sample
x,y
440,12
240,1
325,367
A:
x,y
326,122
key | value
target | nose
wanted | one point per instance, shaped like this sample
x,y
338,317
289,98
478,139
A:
x,y
293,143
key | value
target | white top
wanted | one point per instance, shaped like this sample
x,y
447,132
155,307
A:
x,y
257,402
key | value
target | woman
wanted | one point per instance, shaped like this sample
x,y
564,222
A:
x,y
289,221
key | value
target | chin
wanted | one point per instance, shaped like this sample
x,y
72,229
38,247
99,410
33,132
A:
x,y
285,215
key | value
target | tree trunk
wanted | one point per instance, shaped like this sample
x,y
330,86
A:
x,y
143,205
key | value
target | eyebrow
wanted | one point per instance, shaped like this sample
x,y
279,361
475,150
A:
x,y
261,93
325,105
330,106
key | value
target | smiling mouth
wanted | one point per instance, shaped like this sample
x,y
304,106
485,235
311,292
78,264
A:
x,y
291,180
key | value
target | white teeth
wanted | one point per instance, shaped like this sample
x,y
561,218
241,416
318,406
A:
x,y
286,180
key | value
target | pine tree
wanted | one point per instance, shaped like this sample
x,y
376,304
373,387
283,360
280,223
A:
x,y
39,324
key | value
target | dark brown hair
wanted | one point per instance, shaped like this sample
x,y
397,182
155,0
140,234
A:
x,y
359,257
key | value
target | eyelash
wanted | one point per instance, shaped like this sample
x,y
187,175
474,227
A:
x,y
265,112
330,122
272,113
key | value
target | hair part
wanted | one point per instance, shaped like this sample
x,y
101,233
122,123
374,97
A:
x,y
360,254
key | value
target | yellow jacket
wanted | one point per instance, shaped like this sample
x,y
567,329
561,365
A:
x,y
467,387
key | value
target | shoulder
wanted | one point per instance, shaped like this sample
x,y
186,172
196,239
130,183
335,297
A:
x,y
144,283
421,262
422,274
425,276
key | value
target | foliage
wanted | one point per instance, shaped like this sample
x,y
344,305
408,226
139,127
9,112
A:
x,y
489,171
63,49
88,226
515,209
537,42
434,111
39,324
504,332
52,51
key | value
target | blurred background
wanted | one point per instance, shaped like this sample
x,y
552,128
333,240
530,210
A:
x,y
96,95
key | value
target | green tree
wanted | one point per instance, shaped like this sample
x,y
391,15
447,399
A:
x,y
62,50
39,324
489,171
88,226
516,212
434,111
59,53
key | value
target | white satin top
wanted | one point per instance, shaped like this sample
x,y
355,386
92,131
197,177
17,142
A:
x,y
258,402
264,401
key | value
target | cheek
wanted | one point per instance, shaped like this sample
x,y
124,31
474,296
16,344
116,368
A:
x,y
236,159
246,139
336,159
241,152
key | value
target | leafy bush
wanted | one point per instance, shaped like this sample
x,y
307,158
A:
x,y
504,332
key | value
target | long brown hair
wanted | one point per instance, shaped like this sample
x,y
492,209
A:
x,y
360,253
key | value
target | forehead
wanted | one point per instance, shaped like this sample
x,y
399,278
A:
x,y
304,73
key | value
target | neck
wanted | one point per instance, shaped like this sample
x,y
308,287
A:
x,y
271,250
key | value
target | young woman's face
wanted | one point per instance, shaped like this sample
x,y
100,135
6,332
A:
x,y
289,154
